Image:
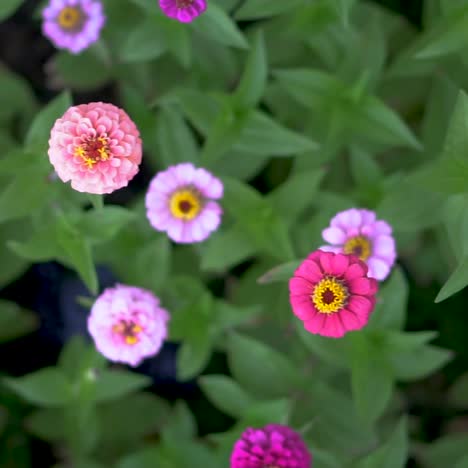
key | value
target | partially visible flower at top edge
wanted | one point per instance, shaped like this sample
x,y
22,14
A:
x,y
128,324
274,446
184,11
96,146
357,231
73,24
181,202
332,294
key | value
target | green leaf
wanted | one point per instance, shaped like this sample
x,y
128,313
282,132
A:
x,y
254,9
283,272
192,357
266,412
253,81
47,424
371,379
39,131
181,425
458,394
393,453
45,387
78,253
275,375
446,451
218,26
145,42
456,282
226,394
15,321
113,384
8,7
462,463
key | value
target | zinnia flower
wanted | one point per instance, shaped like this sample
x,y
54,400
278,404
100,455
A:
x,y
180,202
184,11
73,24
127,324
273,446
96,146
332,294
358,232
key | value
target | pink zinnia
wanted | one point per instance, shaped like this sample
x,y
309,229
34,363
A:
x,y
73,24
273,446
127,324
332,294
180,201
96,146
358,232
184,11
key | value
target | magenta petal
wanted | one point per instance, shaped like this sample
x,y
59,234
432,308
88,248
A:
x,y
325,262
310,270
360,305
339,264
333,326
355,270
352,321
302,307
300,286
362,286
315,324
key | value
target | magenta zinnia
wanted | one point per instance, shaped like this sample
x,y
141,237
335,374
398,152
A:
x,y
73,24
96,146
273,446
181,202
358,232
184,11
128,324
332,294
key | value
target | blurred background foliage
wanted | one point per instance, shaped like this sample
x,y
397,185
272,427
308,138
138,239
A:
x,y
304,108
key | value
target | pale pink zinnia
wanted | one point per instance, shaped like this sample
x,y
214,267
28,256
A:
x,y
358,232
184,11
96,146
128,324
273,446
180,201
332,294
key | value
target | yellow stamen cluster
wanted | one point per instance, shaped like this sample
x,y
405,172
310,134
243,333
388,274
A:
x,y
70,18
329,295
185,204
129,330
359,246
93,151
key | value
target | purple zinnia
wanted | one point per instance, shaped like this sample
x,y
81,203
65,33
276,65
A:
x,y
180,201
358,232
73,24
128,324
184,11
273,446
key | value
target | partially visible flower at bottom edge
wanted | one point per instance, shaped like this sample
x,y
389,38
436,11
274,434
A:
x,y
127,324
274,446
184,11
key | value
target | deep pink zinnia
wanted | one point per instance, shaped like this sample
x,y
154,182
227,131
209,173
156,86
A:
x,y
182,202
96,146
332,294
273,446
184,11
128,324
358,232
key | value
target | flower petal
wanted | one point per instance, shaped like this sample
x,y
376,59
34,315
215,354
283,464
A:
x,y
378,268
334,235
310,270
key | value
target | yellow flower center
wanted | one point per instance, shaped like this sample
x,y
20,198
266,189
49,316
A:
x,y
70,18
359,246
129,331
93,151
185,204
329,295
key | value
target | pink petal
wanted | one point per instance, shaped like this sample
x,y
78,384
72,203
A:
x,y
333,326
339,264
310,270
351,321
331,248
325,262
303,307
360,305
355,270
300,286
362,286
378,268
315,324
383,245
334,235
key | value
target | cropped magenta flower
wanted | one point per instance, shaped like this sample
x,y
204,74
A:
x,y
128,324
180,201
273,446
358,232
184,11
73,24
96,146
332,294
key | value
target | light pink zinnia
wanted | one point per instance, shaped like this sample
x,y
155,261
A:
x,y
96,146
332,294
127,324
358,232
184,11
273,446
180,201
